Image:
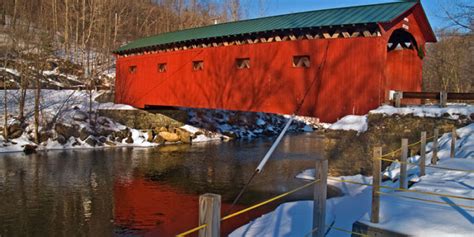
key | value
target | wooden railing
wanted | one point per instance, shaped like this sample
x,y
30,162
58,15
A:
x,y
443,97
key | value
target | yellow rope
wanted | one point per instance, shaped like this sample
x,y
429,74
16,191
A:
x,y
471,208
405,190
348,231
336,228
268,201
394,161
192,230
392,153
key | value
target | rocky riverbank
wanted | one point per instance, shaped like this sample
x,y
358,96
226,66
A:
x,y
67,124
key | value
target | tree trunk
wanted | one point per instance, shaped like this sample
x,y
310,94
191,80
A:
x,y
37,112
5,115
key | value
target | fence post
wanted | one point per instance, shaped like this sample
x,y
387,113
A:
x,y
422,162
320,195
434,158
403,164
443,98
398,98
210,214
453,143
376,169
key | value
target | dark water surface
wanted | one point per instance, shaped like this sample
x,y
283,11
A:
x,y
137,191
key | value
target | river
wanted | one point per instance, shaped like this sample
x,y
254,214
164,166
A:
x,y
143,192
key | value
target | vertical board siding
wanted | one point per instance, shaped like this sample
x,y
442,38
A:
x,y
355,78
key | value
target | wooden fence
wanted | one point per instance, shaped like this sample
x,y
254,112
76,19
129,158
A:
x,y
443,97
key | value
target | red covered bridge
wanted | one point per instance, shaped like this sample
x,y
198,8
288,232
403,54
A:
x,y
345,60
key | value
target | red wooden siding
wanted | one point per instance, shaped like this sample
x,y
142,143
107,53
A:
x,y
355,77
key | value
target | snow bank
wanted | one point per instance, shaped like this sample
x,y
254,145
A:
x,y
399,214
11,71
351,122
433,111
464,149
112,106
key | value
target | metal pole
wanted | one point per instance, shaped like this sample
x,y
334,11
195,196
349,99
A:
x,y
275,145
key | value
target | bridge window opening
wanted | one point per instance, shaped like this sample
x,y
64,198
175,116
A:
x,y
132,69
302,61
401,40
162,67
243,63
198,65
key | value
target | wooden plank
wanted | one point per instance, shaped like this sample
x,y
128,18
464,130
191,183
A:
x,y
403,165
320,195
309,36
346,34
434,158
423,154
355,34
376,169
326,35
398,98
366,33
453,143
443,98
210,214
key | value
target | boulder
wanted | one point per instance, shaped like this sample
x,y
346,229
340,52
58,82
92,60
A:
x,y
44,136
103,121
66,131
15,131
84,133
91,141
76,143
129,140
61,139
105,132
149,136
158,140
184,135
15,134
122,134
29,149
102,139
169,137
109,143
80,116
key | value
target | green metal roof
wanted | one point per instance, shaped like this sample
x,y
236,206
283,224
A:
x,y
375,13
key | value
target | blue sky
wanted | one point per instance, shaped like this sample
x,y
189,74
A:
x,y
433,8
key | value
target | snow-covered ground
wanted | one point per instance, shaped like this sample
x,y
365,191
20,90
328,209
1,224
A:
x,y
359,123
399,211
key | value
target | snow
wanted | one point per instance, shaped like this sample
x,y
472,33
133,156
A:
x,y
433,111
11,71
112,106
351,122
464,149
398,212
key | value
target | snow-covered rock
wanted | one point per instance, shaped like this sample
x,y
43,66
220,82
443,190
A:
x,y
351,122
